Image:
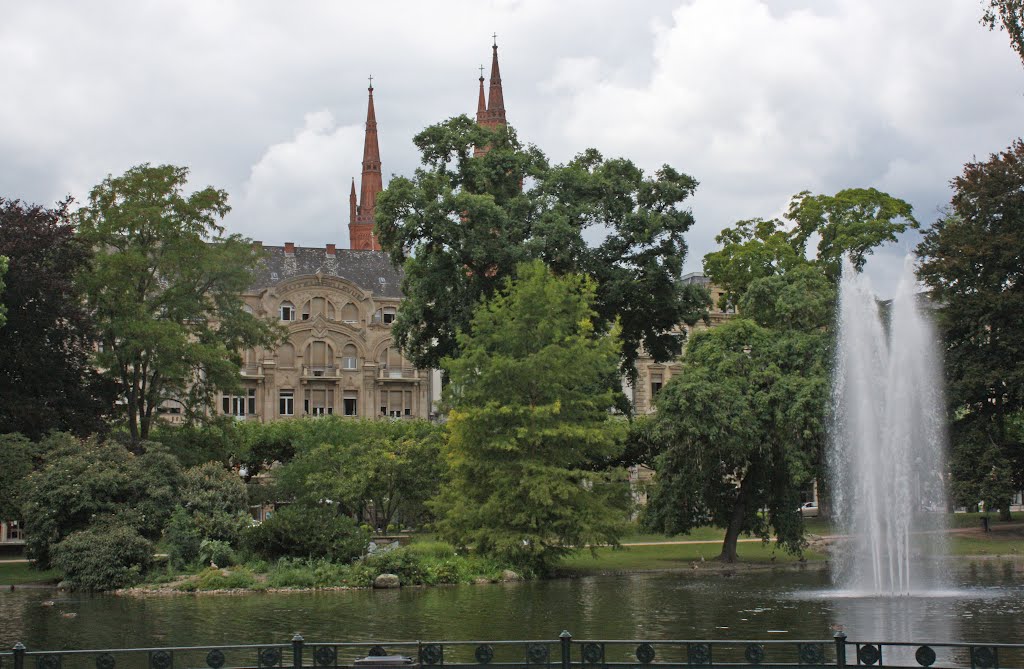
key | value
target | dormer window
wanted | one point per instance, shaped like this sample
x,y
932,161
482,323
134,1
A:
x,y
385,315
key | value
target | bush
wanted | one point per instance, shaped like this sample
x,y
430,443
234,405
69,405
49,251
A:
x,y
216,552
220,579
103,557
183,539
218,501
307,532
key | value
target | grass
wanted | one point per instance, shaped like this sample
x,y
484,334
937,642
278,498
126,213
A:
x,y
672,556
20,573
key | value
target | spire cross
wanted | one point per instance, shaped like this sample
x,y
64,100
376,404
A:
x,y
371,81
481,71
495,36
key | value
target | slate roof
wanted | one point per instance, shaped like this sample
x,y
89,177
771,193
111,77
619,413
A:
x,y
370,270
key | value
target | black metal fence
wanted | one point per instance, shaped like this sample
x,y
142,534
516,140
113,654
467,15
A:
x,y
565,652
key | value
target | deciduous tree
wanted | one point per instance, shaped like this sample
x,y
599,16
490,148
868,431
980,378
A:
x,y
1007,15
530,398
165,291
972,259
47,381
461,225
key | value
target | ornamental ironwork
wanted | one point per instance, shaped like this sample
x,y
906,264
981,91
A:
x,y
537,653
484,653
869,654
270,657
432,654
754,653
983,657
592,653
105,661
325,656
161,659
698,653
811,653
215,659
48,662
645,653
925,656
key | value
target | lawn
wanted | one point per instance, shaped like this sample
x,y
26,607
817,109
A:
x,y
19,573
671,556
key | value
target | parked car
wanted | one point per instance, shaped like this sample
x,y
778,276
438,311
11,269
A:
x,y
809,509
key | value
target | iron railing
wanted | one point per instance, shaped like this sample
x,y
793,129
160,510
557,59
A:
x,y
565,652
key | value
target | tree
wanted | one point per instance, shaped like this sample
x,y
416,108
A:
x,y
852,222
461,226
971,259
741,427
376,471
165,291
46,379
530,398
1007,15
83,483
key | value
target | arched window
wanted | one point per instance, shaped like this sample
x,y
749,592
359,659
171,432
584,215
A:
x,y
314,306
287,311
392,362
350,313
385,315
286,356
349,357
320,358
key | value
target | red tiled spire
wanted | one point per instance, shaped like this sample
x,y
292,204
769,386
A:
x,y
495,99
352,207
481,105
360,230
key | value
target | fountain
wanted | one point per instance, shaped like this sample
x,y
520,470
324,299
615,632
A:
x,y
887,455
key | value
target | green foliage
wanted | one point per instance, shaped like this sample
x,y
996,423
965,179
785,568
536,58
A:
x,y
1006,15
220,579
307,532
83,482
106,556
217,500
461,226
530,396
971,260
182,538
217,552
164,291
852,222
389,467
46,380
3,270
18,455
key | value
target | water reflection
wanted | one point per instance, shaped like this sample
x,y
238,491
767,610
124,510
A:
x,y
757,605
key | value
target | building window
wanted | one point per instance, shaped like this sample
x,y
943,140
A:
x,y
350,313
348,357
351,407
286,403
385,315
319,401
287,311
240,405
396,403
656,382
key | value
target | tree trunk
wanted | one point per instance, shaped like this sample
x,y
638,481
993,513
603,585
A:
x,y
739,511
1004,512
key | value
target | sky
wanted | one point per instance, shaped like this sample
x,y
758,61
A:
x,y
756,99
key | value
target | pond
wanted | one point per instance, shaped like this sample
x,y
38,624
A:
x,y
986,603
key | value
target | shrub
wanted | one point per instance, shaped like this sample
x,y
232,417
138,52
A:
x,y
221,579
216,552
307,532
103,557
183,539
218,501
410,568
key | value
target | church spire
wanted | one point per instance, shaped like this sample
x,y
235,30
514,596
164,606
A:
x,y
360,229
481,105
495,99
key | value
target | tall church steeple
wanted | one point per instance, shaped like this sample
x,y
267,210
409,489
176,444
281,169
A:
x,y
491,114
360,228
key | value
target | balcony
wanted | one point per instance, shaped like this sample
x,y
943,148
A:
x,y
319,371
385,373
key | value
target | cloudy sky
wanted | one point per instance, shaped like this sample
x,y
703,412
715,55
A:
x,y
757,99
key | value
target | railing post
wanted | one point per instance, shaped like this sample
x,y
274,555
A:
x,y
566,640
19,655
297,642
840,639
